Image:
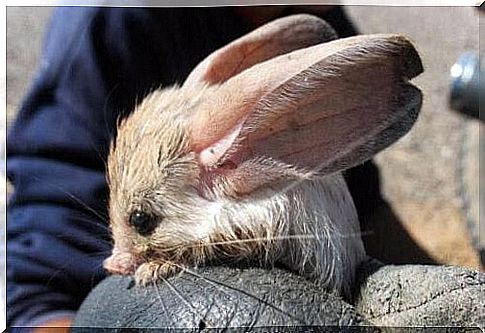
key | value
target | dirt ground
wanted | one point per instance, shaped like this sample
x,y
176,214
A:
x,y
421,173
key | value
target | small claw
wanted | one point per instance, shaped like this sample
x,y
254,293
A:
x,y
151,272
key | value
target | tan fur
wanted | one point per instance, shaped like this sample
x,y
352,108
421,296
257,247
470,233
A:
x,y
247,167
319,214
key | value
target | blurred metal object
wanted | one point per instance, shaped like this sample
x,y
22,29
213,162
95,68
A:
x,y
466,86
467,96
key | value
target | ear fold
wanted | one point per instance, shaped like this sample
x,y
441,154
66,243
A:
x,y
275,38
316,110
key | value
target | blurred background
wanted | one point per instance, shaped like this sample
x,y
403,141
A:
x,y
430,177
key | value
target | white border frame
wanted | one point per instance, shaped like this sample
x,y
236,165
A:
x,y
162,3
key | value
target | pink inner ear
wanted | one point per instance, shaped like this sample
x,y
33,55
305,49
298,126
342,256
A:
x,y
316,110
212,155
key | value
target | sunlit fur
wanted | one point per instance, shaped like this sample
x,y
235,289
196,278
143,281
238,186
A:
x,y
309,226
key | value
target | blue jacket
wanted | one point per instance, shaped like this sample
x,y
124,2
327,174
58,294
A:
x,y
96,65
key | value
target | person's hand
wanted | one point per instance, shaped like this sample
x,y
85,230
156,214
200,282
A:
x,y
58,325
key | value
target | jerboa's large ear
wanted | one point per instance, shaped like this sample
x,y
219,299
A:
x,y
275,38
316,110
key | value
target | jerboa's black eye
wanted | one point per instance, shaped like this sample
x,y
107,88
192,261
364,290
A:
x,y
143,223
